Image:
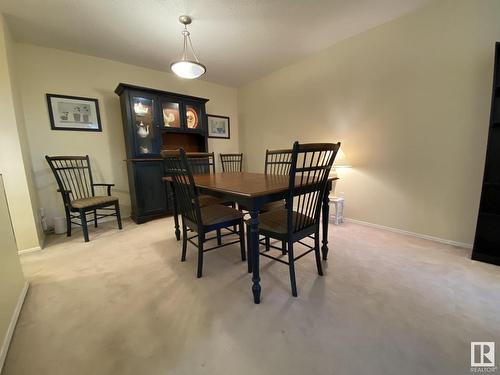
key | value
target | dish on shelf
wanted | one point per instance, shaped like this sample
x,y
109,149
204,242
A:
x,y
140,109
191,118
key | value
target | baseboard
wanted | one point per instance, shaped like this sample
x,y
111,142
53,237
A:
x,y
408,233
12,325
30,250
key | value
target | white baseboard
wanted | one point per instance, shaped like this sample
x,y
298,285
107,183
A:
x,y
12,325
408,233
30,250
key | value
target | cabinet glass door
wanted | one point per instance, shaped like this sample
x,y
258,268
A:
x,y
171,114
144,129
193,117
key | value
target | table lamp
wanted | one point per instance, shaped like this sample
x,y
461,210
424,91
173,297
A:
x,y
341,160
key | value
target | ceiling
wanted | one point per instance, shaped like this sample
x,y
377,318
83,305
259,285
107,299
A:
x,y
238,40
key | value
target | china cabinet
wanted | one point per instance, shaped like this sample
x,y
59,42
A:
x,y
154,120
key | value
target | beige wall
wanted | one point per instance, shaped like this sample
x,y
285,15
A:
x,y
11,275
410,102
42,70
15,163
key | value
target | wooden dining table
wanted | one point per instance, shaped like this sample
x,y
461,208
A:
x,y
253,190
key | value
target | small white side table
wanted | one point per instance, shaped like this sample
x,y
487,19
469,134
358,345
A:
x,y
338,216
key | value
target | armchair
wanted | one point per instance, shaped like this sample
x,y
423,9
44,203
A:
x,y
74,179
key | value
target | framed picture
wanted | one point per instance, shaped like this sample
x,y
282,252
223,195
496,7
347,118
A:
x,y
218,126
73,113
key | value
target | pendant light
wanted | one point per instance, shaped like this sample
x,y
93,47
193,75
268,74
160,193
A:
x,y
185,67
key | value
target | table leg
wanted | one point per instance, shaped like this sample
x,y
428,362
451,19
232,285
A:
x,y
326,213
254,250
176,214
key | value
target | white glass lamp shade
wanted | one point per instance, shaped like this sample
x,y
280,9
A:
x,y
341,160
188,69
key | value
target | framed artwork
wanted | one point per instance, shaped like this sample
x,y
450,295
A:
x,y
73,113
218,126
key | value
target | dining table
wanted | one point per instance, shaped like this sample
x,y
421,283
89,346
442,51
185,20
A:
x,y
253,191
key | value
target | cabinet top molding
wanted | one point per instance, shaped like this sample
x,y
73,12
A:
x,y
126,86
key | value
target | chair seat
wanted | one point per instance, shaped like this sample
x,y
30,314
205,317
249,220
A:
x,y
208,200
93,201
217,214
276,220
276,205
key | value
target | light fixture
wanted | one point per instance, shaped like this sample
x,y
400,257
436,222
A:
x,y
341,160
186,67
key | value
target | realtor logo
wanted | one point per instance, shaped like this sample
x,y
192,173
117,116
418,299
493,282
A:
x,y
482,354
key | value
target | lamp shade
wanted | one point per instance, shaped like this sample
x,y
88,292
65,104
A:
x,y
341,160
188,69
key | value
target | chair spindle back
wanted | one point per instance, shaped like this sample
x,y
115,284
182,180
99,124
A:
x,y
177,166
201,162
278,162
231,162
310,166
73,175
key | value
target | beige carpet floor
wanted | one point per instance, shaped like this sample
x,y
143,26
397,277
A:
x,y
125,304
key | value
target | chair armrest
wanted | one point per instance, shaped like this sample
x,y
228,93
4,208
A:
x,y
103,184
65,194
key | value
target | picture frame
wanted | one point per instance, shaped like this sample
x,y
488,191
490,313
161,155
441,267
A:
x,y
218,127
73,113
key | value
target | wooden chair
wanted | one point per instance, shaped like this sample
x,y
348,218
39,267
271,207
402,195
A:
x,y
198,219
300,218
200,163
278,162
231,162
77,188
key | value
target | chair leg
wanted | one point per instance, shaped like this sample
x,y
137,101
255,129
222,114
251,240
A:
x,y
200,255
95,218
283,247
317,253
249,258
235,228
242,242
118,216
184,243
68,223
291,266
83,219
219,237
268,243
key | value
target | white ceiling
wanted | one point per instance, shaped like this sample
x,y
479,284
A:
x,y
238,40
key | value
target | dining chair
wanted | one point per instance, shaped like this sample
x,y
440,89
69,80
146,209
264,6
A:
x,y
196,218
278,162
76,185
300,218
231,162
204,163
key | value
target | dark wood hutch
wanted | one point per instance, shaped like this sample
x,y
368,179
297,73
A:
x,y
154,120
